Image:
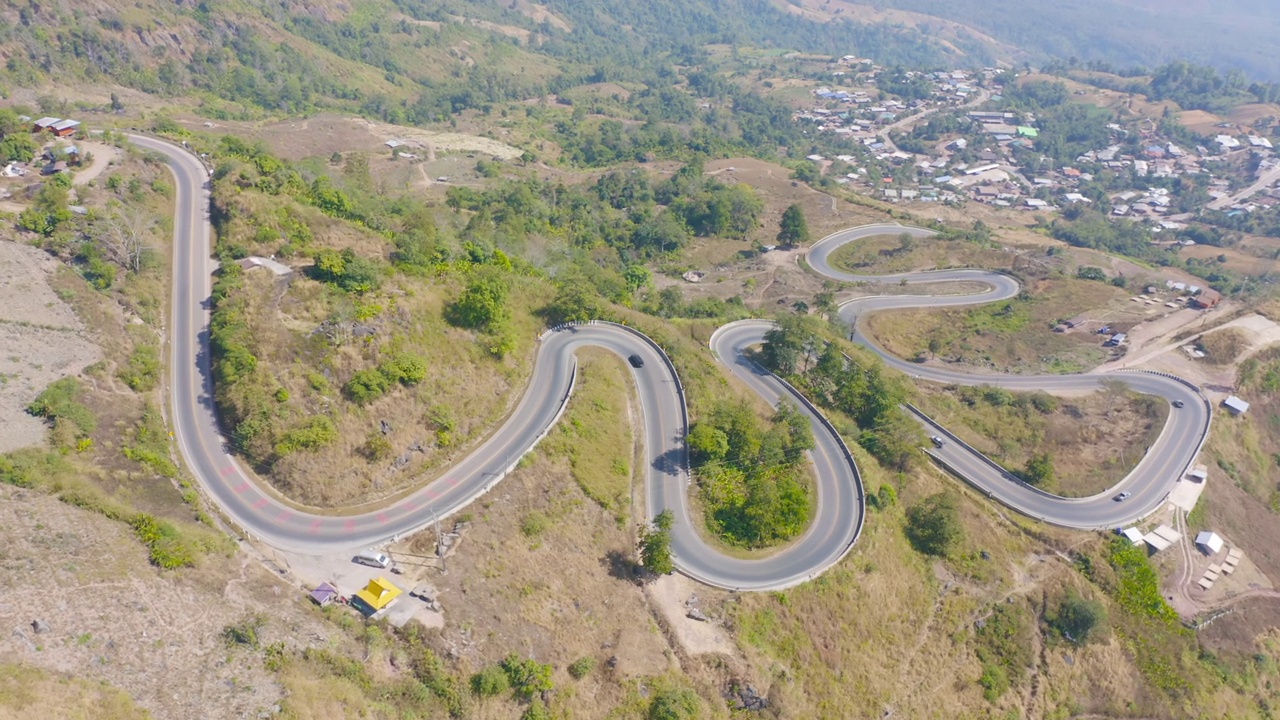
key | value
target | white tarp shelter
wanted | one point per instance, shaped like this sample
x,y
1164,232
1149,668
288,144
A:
x,y
1133,535
1162,537
1210,543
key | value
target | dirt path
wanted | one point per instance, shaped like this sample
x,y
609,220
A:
x,y
103,156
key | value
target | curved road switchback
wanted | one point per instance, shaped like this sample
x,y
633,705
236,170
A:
x,y
1155,476
839,495
268,518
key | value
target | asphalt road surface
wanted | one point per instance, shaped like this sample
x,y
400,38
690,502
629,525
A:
x,y
271,519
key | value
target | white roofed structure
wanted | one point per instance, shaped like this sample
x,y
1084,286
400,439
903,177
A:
x,y
1210,543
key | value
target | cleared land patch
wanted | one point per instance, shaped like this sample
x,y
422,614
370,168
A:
x,y
1092,441
42,338
1014,336
885,254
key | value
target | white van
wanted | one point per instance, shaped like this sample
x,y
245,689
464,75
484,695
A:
x,y
373,558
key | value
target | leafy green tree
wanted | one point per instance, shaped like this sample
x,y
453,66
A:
x,y
933,525
348,271
786,344
661,233
707,444
1078,619
655,545
576,301
795,229
482,305
1039,470
528,678
49,211
17,147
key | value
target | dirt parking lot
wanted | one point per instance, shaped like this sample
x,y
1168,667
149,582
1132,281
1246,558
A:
x,y
41,340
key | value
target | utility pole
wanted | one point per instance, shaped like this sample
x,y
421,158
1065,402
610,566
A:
x,y
440,554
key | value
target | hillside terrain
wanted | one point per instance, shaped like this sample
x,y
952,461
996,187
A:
x,y
406,194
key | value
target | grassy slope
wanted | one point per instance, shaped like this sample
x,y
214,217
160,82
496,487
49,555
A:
x,y
26,691
1094,441
1010,336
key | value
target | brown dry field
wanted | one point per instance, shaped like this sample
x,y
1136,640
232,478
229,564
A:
x,y
1237,261
115,619
40,336
323,135
883,254
1024,342
1094,440
1241,116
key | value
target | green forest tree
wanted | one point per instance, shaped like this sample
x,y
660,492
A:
x,y
795,229
655,545
933,525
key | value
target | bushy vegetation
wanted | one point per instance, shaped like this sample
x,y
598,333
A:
x,y
655,545
858,386
59,405
751,476
1004,648
933,525
528,678
1079,620
367,385
143,371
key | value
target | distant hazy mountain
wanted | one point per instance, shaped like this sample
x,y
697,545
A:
x,y
1239,34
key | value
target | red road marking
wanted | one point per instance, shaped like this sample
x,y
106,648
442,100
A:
x,y
241,487
451,482
284,515
315,526
382,518
433,494
228,470
261,503
349,526
411,505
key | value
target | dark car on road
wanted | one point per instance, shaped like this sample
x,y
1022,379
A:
x,y
1123,496
636,361
1178,403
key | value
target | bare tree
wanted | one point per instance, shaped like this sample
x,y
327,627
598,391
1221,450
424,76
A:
x,y
124,237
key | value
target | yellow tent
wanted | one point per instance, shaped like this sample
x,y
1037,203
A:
x,y
379,593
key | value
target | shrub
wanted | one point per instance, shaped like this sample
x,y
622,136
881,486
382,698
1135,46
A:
x,y
528,678
1078,619
534,524
366,386
244,632
59,404
314,433
143,371
582,667
376,447
167,550
538,710
933,525
490,682
676,704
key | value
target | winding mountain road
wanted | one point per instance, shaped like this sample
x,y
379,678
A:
x,y
840,508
